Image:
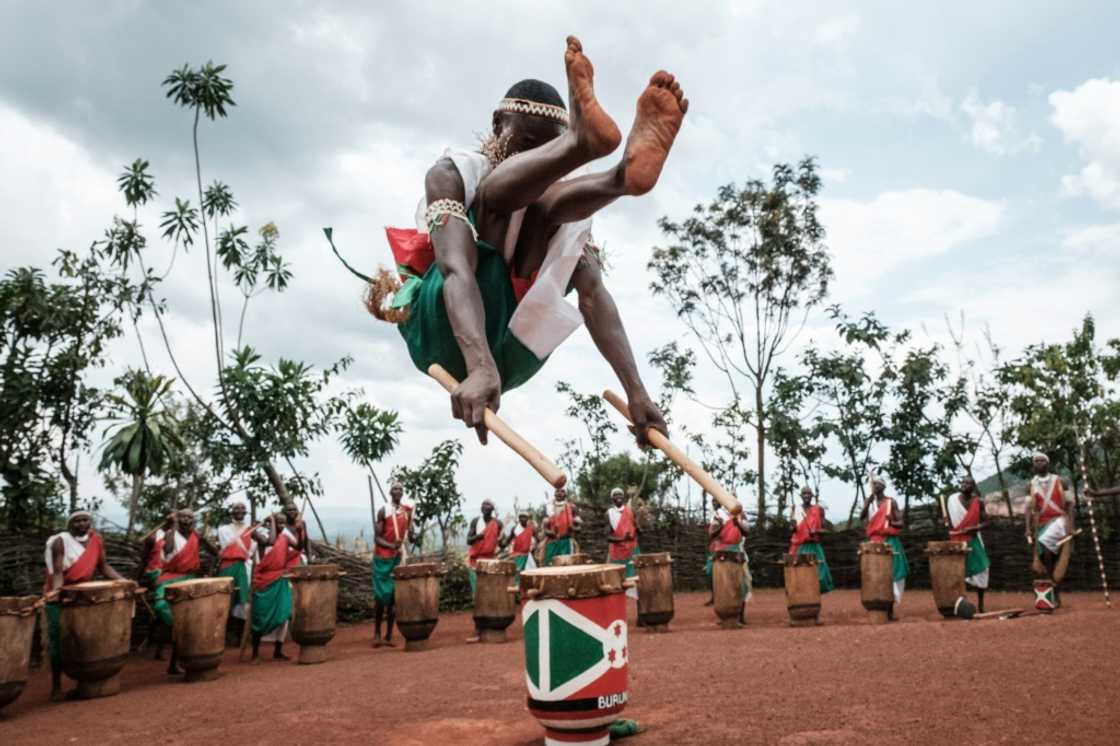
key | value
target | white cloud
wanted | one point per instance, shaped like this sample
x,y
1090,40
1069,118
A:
x,y
1089,117
994,127
871,238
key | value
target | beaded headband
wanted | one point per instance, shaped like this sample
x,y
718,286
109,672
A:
x,y
534,108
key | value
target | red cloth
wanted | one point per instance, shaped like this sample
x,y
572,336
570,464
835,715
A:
x,y
155,557
184,562
970,520
1050,509
879,528
621,550
561,522
487,546
85,566
237,551
272,565
730,534
295,557
523,542
807,528
411,249
393,528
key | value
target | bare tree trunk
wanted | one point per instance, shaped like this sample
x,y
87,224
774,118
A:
x,y
71,482
134,501
1003,489
761,430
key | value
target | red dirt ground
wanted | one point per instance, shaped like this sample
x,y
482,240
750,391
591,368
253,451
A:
x,y
919,680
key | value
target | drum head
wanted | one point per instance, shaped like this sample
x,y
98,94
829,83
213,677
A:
x,y
725,555
419,570
653,558
572,581
198,588
324,571
495,567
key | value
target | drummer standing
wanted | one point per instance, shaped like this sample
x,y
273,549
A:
x,y
966,518
235,542
884,524
558,527
72,556
1049,517
152,551
393,525
482,540
299,546
272,592
181,561
521,540
727,533
808,522
622,536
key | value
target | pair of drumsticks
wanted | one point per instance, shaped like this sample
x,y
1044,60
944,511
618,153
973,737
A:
x,y
552,474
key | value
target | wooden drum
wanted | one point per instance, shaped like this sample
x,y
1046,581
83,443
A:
x,y
876,591
566,560
576,652
314,609
803,589
417,602
729,578
200,608
946,572
17,630
494,605
95,627
655,590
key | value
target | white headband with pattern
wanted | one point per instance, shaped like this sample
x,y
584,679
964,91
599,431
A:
x,y
534,108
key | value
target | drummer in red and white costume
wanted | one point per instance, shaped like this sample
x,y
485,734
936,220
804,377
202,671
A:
x,y
728,533
1049,516
482,539
272,592
884,524
521,540
72,556
181,561
965,520
558,527
236,546
622,536
393,526
299,546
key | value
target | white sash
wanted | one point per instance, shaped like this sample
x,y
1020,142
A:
x,y
72,549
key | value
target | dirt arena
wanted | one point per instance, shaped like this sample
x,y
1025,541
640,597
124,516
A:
x,y
920,680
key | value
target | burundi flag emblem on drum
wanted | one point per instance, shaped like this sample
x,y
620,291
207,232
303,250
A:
x,y
576,660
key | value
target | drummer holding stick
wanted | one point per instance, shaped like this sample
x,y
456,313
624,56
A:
x,y
392,527
72,556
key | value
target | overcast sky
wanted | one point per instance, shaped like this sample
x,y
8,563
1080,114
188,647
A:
x,y
970,152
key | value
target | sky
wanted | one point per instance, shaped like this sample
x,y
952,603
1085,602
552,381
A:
x,y
970,156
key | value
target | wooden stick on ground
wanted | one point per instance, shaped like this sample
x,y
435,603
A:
x,y
680,458
506,434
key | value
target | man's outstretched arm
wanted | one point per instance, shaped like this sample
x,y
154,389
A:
x,y
605,325
457,258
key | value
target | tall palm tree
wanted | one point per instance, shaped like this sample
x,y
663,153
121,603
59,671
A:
x,y
146,434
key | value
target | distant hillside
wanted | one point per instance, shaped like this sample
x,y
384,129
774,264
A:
x,y
991,484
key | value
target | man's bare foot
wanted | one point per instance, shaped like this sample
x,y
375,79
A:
x,y
661,108
389,643
376,643
595,131
255,661
57,695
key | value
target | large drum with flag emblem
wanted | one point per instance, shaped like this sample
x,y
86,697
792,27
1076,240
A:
x,y
946,573
576,651
200,607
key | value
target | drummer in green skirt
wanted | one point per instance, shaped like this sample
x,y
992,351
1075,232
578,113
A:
x,y
809,522
965,520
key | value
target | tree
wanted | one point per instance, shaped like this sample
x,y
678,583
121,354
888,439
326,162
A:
x,y
584,464
369,434
146,435
433,489
742,273
53,335
1060,395
796,440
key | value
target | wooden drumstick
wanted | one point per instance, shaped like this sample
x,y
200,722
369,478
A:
x,y
506,434
680,458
